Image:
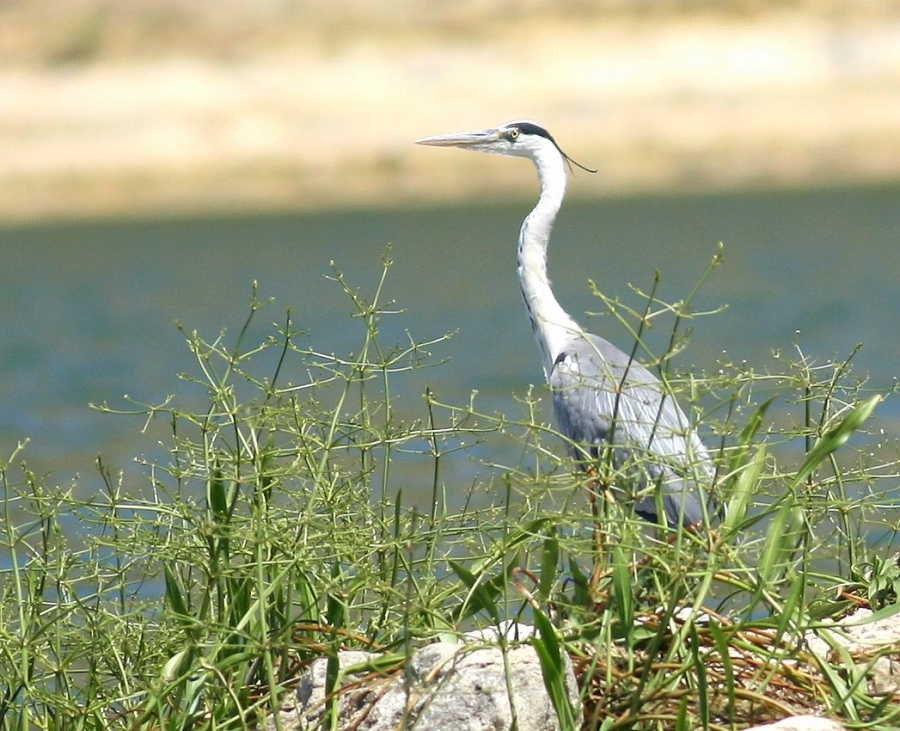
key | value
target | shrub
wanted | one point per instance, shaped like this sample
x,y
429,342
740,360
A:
x,y
279,528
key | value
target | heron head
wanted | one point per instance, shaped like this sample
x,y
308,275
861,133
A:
x,y
521,138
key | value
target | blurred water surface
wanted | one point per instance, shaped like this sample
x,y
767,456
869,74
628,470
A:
x,y
88,308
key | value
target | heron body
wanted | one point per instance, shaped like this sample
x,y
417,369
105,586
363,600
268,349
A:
x,y
605,403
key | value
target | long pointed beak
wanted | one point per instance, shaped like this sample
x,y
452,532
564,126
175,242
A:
x,y
463,139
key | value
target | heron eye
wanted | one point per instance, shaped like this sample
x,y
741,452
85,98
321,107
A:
x,y
513,134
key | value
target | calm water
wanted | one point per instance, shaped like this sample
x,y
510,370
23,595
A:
x,y
88,308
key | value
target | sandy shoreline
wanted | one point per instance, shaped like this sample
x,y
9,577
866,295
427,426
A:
x,y
693,103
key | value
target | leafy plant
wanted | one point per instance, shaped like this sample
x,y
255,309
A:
x,y
286,522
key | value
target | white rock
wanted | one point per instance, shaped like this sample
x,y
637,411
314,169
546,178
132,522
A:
x,y
873,645
801,723
510,630
443,687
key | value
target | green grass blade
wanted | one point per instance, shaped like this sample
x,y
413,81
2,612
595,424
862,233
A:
x,y
836,437
553,670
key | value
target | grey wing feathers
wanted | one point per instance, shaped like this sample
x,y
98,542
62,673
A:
x,y
601,397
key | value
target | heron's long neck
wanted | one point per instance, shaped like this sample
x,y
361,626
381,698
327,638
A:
x,y
552,326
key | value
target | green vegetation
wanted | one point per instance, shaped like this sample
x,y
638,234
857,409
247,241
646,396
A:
x,y
279,529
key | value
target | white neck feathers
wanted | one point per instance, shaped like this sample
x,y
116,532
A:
x,y
552,326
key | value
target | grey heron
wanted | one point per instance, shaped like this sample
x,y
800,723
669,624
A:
x,y
606,404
